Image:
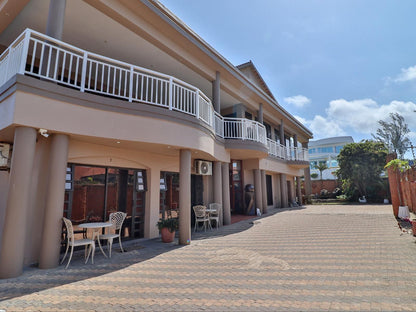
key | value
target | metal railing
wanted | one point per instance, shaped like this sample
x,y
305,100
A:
x,y
289,153
41,56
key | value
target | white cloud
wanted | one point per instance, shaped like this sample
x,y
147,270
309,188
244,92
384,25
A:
x,y
407,74
297,100
359,116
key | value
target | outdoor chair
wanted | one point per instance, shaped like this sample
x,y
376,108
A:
x,y
117,219
214,213
71,241
200,216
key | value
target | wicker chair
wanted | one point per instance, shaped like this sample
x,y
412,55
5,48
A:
x,y
214,213
200,216
117,219
71,241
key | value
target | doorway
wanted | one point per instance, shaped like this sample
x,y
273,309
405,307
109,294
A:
x,y
236,187
269,190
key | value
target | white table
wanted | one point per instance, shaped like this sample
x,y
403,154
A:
x,y
96,227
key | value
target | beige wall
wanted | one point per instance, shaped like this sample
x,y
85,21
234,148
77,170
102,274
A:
x,y
4,187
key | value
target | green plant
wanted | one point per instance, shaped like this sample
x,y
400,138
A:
x,y
172,224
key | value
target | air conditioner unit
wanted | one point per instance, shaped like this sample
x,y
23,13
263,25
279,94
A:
x,y
4,155
203,167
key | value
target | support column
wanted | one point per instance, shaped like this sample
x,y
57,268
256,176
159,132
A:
x,y
258,190
55,22
307,173
52,225
260,113
279,192
15,225
185,197
264,190
299,189
217,187
216,88
151,215
283,185
226,206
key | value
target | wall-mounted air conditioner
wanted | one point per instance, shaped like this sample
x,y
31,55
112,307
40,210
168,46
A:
x,y
203,167
4,155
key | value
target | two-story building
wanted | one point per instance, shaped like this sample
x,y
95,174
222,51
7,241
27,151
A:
x,y
119,106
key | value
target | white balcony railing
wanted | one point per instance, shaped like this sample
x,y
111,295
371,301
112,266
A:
x,y
41,56
289,153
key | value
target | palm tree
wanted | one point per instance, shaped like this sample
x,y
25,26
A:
x,y
321,166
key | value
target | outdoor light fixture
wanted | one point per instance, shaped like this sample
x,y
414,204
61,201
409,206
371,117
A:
x,y
44,132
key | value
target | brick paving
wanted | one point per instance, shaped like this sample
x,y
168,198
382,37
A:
x,y
316,258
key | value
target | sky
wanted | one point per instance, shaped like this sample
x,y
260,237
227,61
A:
x,y
339,66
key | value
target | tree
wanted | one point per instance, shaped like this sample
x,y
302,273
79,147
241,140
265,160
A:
x,y
393,134
360,166
321,166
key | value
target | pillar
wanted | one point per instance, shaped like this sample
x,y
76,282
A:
x,y
216,88
307,174
52,225
152,202
283,185
299,189
55,22
264,190
258,190
217,181
226,206
185,197
278,191
260,113
14,232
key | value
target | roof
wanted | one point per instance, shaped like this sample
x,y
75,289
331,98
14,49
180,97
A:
x,y
258,78
331,141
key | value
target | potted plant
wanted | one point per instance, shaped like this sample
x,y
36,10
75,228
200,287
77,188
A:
x,y
398,166
167,228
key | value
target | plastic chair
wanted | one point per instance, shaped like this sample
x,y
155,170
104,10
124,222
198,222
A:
x,y
200,216
117,219
214,213
71,241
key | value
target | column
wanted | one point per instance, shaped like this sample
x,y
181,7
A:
x,y
226,206
15,225
307,174
55,22
152,203
257,190
299,189
283,185
217,181
185,197
52,225
278,191
260,113
216,88
264,190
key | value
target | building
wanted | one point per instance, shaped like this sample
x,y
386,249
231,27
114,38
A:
x,y
325,151
118,105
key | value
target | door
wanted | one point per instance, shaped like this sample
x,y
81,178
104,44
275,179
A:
x,y
236,187
269,190
138,205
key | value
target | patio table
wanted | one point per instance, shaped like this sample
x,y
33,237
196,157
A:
x,y
96,227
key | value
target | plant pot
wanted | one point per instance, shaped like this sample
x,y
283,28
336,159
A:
x,y
414,227
167,236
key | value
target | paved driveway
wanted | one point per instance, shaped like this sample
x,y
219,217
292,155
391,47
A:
x,y
318,258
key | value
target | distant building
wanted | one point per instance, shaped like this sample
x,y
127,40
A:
x,y
326,151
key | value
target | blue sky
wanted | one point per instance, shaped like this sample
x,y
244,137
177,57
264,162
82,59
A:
x,y
338,66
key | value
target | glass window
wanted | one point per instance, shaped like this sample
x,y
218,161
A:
x,y
338,149
334,163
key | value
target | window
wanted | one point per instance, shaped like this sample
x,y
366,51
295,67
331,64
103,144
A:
x,y
338,148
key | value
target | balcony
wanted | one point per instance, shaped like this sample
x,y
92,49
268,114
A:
x,y
40,56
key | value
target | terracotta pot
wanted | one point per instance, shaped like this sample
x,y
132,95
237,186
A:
x,y
167,236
